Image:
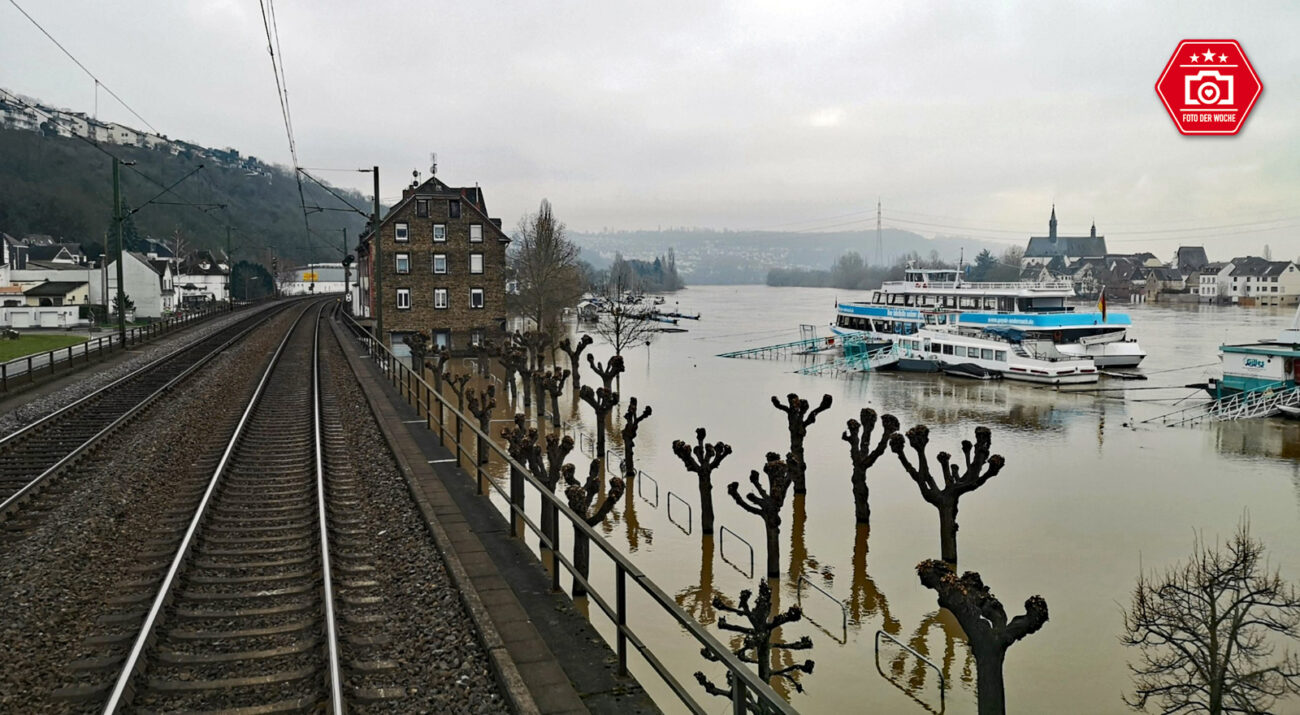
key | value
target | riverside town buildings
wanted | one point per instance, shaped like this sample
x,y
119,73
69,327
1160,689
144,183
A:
x,y
443,263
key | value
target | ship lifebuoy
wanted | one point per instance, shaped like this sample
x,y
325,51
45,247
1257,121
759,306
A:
x,y
925,285
918,285
1056,337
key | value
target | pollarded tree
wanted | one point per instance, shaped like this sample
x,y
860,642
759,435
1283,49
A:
x,y
552,383
536,344
756,640
418,344
979,469
457,383
436,360
482,408
701,460
767,504
580,498
798,418
483,357
574,351
984,620
512,359
545,262
602,401
864,457
1207,630
607,371
631,424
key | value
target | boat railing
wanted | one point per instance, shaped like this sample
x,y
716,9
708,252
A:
x,y
977,287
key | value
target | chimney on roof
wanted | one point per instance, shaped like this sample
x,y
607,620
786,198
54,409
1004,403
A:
x,y
1094,229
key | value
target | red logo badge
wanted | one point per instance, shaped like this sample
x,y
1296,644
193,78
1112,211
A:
x,y
1209,87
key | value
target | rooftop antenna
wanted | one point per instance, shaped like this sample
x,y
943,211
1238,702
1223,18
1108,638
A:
x,y
433,163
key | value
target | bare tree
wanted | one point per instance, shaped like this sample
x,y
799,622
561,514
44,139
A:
x,y
511,358
767,504
864,457
552,383
436,360
580,498
482,408
418,344
602,401
624,327
545,262
757,630
798,418
1207,630
631,424
574,351
955,483
701,460
984,619
457,383
607,371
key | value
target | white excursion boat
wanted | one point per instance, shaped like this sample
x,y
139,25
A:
x,y
943,345
1037,310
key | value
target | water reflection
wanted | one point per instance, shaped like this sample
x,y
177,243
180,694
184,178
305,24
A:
x,y
915,679
942,400
803,563
697,600
865,600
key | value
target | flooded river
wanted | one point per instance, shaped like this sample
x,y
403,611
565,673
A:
x,y
1089,495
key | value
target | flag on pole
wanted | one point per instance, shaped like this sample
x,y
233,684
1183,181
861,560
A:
x,y
1101,303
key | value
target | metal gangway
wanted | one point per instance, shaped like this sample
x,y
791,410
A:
x,y
1265,401
799,347
860,360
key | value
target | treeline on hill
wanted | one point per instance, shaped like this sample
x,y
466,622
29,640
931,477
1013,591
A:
x,y
63,187
852,272
657,276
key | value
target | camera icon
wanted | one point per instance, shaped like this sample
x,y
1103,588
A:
x,y
1207,87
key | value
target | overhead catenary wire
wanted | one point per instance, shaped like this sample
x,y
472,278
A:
x,y
85,69
282,94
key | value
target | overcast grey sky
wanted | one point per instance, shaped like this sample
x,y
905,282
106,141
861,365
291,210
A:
x,y
964,118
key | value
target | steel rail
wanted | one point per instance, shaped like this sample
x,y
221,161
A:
x,y
19,495
331,628
117,697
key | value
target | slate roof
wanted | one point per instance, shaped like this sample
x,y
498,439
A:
x,y
1068,246
54,288
1191,258
46,253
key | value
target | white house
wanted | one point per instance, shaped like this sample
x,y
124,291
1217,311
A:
x,y
141,284
202,277
121,134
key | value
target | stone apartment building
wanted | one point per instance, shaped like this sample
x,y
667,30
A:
x,y
443,263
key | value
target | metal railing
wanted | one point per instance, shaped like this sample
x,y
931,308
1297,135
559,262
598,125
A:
x,y
749,692
976,287
943,685
24,370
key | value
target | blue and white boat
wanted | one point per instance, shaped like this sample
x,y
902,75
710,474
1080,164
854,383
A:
x,y
929,298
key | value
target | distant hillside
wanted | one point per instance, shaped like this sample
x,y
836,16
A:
x,y
706,256
63,187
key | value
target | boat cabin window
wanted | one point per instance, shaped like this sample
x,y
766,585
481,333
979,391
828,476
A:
x,y
1000,355
947,350
950,301
968,302
972,352
990,303
933,348
986,353
875,297
895,299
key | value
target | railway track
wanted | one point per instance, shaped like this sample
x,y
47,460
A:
x,y
31,456
243,615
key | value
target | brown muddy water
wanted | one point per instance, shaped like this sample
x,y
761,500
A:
x,y
1088,497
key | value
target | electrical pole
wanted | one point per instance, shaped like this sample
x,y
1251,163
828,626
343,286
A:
x,y
121,255
880,242
344,260
377,267
230,270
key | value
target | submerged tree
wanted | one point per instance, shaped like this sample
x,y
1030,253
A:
x,y
482,408
757,646
979,469
574,351
482,357
767,503
418,344
602,401
436,360
512,359
624,326
546,265
1207,630
798,418
536,344
864,457
552,383
631,424
457,383
581,497
984,620
607,371
701,460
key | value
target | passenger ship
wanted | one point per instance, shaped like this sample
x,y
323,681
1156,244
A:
x,y
1017,330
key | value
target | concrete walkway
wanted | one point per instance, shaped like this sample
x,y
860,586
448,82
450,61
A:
x,y
548,656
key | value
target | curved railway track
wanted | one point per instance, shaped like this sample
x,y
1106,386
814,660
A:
x,y
244,616
30,456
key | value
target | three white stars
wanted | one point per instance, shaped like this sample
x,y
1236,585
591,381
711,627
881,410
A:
x,y
1209,57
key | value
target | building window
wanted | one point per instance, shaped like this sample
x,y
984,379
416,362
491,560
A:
x,y
439,263
476,233
476,337
442,338
439,232
476,297
422,208
440,298
403,262
400,234
403,298
476,263
453,208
